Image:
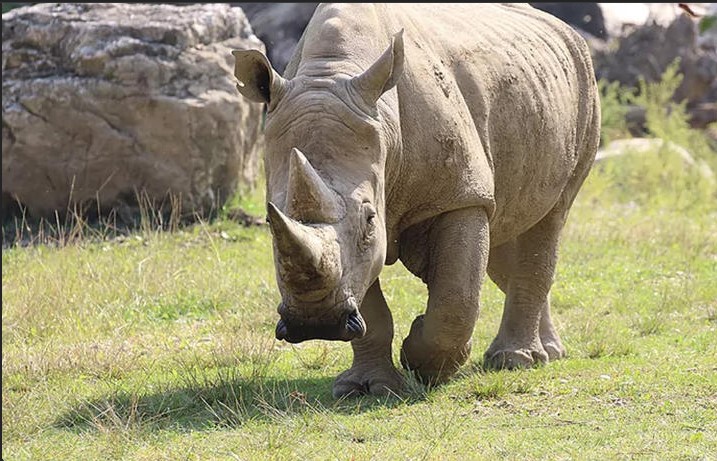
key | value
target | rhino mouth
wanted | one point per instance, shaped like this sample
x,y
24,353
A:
x,y
348,326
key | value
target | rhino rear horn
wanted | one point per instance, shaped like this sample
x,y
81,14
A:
x,y
308,197
383,74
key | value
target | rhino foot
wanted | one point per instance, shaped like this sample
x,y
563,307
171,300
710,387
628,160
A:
x,y
430,363
378,381
554,348
551,341
500,358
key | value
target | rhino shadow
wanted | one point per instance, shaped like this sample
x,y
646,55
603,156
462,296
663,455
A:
x,y
226,403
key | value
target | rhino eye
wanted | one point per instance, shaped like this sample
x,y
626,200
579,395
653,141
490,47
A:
x,y
368,230
369,212
371,217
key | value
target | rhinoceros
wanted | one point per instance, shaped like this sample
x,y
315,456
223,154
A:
x,y
453,137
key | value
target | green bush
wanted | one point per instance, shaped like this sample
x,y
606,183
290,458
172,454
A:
x,y
661,178
614,102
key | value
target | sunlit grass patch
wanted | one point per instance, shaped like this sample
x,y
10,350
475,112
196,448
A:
x,y
160,345
497,385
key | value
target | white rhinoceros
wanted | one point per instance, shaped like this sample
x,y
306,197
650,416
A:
x,y
457,149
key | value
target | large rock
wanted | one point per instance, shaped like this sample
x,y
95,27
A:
x,y
655,146
102,101
584,16
612,20
622,18
649,50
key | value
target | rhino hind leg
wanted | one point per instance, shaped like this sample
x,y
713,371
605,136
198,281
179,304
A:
x,y
372,371
524,270
439,342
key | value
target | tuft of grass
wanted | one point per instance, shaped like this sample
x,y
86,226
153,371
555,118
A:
x,y
712,314
652,324
607,347
82,223
498,385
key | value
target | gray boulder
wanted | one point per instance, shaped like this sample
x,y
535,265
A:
x,y
648,50
584,16
101,102
655,146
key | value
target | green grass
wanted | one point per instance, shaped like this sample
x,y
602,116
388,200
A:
x,y
159,346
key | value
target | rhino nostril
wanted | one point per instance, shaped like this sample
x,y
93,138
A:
x,y
281,330
355,324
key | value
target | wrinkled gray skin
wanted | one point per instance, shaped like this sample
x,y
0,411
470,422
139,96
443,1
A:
x,y
457,149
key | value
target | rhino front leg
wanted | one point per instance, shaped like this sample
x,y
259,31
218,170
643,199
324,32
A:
x,y
372,371
524,269
455,263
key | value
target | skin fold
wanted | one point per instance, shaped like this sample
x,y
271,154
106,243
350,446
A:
x,y
452,137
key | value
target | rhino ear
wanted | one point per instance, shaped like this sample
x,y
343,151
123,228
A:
x,y
384,73
258,81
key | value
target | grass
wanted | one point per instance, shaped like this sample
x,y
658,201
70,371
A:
x,y
159,345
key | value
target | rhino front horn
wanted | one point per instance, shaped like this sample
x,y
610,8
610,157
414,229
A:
x,y
307,261
308,197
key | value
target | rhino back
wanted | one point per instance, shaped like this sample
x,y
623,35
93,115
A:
x,y
516,86
497,105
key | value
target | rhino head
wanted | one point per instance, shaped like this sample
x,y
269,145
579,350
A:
x,y
327,139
